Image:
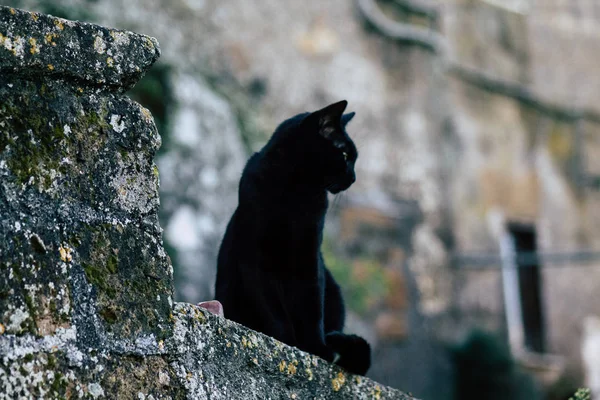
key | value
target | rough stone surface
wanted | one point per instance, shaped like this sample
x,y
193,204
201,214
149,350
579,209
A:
x,y
33,44
218,359
86,306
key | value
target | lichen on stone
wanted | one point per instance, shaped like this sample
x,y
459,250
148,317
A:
x,y
52,36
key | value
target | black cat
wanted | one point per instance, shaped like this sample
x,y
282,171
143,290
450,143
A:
x,y
271,276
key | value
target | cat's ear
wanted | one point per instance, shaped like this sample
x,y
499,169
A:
x,y
329,118
347,118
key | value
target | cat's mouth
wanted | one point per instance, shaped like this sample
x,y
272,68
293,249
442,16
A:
x,y
335,188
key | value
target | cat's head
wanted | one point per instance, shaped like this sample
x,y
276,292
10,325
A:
x,y
335,151
315,149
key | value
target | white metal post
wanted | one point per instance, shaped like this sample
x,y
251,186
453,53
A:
x,y
512,298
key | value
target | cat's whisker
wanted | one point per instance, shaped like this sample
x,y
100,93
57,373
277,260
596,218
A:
x,y
337,201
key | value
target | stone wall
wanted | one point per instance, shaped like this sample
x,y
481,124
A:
x,y
86,287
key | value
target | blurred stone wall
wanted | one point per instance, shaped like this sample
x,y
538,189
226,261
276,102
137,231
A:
x,y
526,150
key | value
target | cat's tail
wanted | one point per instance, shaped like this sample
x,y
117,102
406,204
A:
x,y
354,352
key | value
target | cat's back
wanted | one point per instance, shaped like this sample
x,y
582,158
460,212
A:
x,y
238,226
250,183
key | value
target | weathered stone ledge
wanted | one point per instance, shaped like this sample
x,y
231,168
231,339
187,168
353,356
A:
x,y
33,44
207,357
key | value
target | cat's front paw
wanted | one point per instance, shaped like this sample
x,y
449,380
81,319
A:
x,y
354,352
323,351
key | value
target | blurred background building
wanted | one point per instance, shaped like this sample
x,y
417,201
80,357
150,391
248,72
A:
x,y
469,248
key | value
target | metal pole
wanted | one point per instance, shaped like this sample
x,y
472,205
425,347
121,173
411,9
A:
x,y
512,298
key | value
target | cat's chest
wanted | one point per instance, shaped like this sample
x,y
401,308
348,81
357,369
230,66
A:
x,y
298,237
292,250
294,225
295,286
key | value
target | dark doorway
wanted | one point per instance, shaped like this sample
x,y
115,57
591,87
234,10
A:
x,y
530,285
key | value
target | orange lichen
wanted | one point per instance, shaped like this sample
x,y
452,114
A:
x,y
291,369
146,113
247,343
376,392
148,43
65,253
338,381
309,373
34,47
49,38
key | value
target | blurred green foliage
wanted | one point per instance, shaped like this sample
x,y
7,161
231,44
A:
x,y
363,281
78,11
582,394
154,92
485,369
245,101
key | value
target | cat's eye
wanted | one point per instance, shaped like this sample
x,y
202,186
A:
x,y
345,155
